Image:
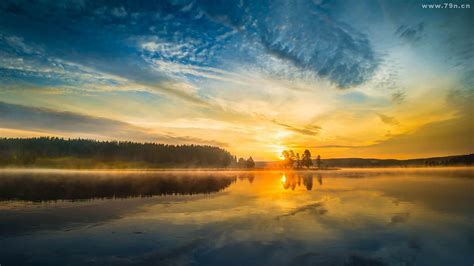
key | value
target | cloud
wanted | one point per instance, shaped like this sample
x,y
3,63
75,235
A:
x,y
329,146
460,100
410,34
308,130
449,137
336,146
119,12
173,89
27,66
316,208
398,218
350,60
305,35
174,34
398,97
68,123
16,44
441,138
389,120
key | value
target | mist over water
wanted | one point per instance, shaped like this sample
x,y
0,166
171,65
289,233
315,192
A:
x,y
347,217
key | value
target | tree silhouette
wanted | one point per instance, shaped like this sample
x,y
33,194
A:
x,y
241,163
318,162
288,158
292,155
298,161
250,163
306,160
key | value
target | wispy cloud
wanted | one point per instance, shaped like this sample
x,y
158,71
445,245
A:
x,y
410,33
307,130
306,36
389,120
398,97
67,123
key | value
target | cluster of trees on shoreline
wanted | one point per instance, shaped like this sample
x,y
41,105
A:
x,y
47,151
242,163
290,160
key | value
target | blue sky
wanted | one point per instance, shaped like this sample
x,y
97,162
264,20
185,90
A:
x,y
344,78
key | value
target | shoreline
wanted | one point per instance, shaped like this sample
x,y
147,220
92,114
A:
x,y
124,170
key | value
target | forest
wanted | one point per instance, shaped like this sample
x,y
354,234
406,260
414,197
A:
x,y
84,153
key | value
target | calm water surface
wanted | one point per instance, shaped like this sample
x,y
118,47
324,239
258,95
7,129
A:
x,y
346,217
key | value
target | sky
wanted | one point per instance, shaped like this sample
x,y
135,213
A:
x,y
368,78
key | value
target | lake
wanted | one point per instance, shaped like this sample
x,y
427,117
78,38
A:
x,y
344,217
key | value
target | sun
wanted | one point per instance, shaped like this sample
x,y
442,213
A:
x,y
279,136
279,153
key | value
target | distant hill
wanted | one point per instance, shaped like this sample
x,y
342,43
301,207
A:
x,y
457,160
82,153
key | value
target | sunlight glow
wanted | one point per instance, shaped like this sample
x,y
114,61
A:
x,y
414,105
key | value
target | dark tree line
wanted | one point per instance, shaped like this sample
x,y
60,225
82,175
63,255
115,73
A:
x,y
24,152
249,163
457,160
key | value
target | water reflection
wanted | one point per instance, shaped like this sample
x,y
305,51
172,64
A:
x,y
369,217
46,186
293,180
320,179
246,176
79,185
